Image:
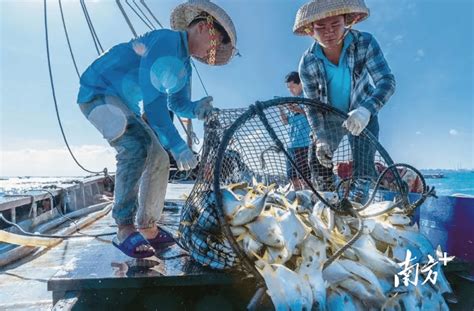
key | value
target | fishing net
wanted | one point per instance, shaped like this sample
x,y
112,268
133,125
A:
x,y
272,143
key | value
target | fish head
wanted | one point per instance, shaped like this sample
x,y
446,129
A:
x,y
230,202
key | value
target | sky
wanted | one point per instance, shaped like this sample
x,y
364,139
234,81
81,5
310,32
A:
x,y
428,123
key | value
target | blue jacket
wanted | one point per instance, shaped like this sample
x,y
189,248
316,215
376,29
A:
x,y
154,68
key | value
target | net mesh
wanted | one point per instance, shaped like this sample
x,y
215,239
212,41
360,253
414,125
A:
x,y
273,143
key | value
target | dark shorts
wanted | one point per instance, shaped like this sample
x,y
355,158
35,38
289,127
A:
x,y
300,157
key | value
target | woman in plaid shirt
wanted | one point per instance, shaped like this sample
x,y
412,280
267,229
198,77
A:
x,y
337,70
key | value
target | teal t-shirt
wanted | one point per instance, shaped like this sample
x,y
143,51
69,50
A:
x,y
338,77
299,129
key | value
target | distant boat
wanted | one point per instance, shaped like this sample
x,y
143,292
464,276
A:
x,y
434,176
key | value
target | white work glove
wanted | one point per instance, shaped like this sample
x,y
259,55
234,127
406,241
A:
x,y
203,107
185,158
324,153
357,120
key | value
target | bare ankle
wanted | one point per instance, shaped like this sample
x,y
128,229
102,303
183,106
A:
x,y
149,232
125,230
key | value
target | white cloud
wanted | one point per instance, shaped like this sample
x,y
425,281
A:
x,y
453,132
420,53
398,39
56,161
418,133
411,6
388,47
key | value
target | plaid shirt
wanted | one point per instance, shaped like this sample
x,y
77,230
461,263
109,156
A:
x,y
365,60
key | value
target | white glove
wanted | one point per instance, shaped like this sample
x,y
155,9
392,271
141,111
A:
x,y
357,120
185,158
324,154
203,107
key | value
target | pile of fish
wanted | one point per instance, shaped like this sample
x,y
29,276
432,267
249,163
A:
x,y
291,235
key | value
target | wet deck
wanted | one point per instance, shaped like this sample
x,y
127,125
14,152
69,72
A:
x,y
103,275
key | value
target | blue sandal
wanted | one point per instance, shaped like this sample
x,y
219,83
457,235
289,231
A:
x,y
163,239
130,244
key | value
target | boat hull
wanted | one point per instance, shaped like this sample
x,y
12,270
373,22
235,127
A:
x,y
446,221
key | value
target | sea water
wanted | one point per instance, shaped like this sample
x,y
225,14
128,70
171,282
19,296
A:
x,y
454,182
22,185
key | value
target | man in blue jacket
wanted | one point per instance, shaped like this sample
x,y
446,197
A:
x,y
153,69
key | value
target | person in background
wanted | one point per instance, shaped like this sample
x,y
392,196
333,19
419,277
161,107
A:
x,y
154,68
299,141
346,69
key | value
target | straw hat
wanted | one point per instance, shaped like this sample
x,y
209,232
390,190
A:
x,y
185,13
354,11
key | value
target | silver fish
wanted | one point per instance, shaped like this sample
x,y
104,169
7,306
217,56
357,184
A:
x,y
240,193
431,299
287,289
320,229
230,202
266,229
387,285
248,211
330,216
249,244
384,233
239,230
313,249
311,271
412,300
305,201
365,241
376,208
400,251
418,239
277,198
275,286
343,227
393,304
364,291
369,256
340,301
238,186
330,197
277,255
335,273
362,272
293,229
398,219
